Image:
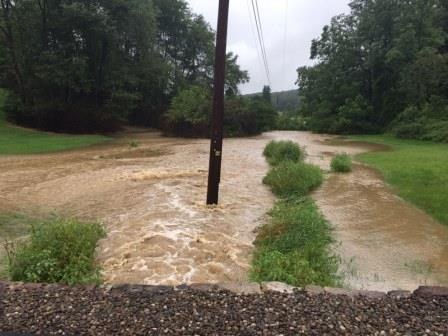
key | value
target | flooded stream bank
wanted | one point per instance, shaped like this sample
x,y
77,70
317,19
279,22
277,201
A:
x,y
151,200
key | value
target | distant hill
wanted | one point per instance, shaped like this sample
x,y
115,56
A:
x,y
284,100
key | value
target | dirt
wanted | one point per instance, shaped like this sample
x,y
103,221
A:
x,y
149,192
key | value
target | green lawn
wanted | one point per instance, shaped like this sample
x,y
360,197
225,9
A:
x,y
418,171
16,140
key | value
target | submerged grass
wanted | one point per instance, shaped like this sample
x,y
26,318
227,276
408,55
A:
x,y
294,247
418,170
56,251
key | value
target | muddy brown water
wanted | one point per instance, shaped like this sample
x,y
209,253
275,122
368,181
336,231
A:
x,y
151,201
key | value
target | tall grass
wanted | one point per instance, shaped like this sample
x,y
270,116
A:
x,y
57,251
341,163
277,152
294,247
293,179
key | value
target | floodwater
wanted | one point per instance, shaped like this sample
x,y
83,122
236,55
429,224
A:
x,y
151,201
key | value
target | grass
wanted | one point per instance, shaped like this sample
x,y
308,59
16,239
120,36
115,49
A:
x,y
12,227
418,171
341,163
17,140
294,247
57,251
280,151
293,179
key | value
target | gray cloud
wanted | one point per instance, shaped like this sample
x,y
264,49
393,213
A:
x,y
305,20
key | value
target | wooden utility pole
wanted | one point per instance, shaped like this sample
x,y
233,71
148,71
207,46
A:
x,y
214,174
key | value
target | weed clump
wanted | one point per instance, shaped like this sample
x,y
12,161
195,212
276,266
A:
x,y
280,151
57,251
293,179
341,163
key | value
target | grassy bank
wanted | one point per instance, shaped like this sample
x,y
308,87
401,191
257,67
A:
x,y
294,247
418,171
50,251
16,140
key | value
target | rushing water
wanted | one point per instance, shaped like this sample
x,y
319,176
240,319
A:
x,y
151,201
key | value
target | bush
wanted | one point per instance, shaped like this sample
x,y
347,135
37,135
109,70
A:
x,y
279,151
341,163
57,251
294,247
429,122
293,179
289,122
191,109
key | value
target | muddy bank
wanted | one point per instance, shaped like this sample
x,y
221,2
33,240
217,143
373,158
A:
x,y
151,200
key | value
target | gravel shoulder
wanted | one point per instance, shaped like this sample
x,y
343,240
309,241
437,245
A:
x,y
208,310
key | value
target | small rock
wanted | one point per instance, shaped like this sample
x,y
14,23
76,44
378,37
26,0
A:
x,y
399,294
250,288
277,287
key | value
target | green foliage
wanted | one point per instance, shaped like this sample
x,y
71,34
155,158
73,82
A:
x,y
58,251
190,106
191,109
291,122
15,140
2,102
294,247
289,179
341,163
283,101
84,66
266,94
418,170
277,152
427,123
376,62
264,113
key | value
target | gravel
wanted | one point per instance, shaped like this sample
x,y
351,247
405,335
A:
x,y
140,310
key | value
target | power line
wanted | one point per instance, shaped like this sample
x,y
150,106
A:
x,y
254,36
260,38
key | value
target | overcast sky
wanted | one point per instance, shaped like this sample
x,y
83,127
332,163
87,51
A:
x,y
305,19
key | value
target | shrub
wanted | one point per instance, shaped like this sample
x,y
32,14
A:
x,y
293,179
279,151
190,112
288,122
57,251
341,163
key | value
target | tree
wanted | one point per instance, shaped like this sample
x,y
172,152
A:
x,y
88,65
381,59
267,94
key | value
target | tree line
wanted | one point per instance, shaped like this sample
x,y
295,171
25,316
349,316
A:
x,y
382,67
89,65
